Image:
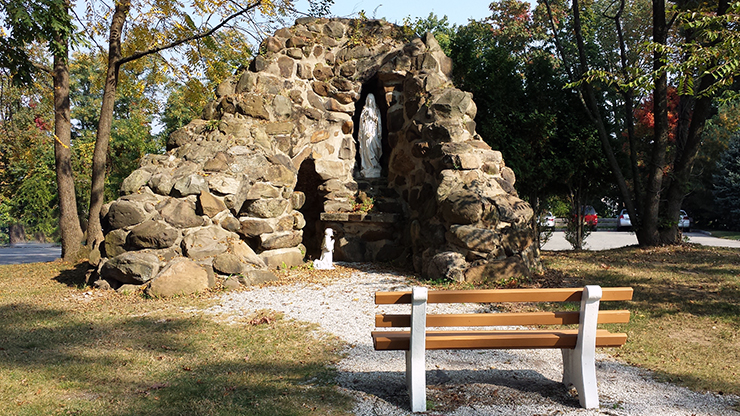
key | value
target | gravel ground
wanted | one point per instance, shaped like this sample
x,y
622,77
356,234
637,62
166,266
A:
x,y
461,383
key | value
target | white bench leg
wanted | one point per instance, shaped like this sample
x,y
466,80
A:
x,y
579,364
581,375
416,378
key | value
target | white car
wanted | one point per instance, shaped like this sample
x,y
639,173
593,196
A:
x,y
684,221
623,221
547,220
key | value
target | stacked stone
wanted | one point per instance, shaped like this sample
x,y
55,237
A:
x,y
222,200
465,219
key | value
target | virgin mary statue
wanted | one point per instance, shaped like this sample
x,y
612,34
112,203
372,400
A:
x,y
369,138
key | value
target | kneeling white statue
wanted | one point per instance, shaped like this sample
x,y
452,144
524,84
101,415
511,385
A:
x,y
327,252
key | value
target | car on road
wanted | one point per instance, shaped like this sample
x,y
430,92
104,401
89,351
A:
x,y
547,220
684,221
623,221
590,217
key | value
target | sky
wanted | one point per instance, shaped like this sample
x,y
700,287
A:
x,y
394,11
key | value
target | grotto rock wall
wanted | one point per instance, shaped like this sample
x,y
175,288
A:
x,y
250,186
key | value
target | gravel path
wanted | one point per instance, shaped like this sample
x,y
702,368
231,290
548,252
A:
x,y
461,383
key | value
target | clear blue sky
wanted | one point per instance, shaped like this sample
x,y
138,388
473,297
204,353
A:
x,y
457,11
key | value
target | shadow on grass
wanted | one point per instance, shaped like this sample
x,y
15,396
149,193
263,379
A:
x,y
74,277
153,365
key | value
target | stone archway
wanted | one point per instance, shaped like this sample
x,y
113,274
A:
x,y
235,185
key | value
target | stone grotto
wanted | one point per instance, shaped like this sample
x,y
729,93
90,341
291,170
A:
x,y
276,159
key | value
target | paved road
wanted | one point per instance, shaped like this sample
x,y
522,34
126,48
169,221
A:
x,y
598,240
29,253
604,240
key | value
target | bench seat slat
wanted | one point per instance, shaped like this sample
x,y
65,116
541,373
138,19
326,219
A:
x,y
500,319
504,295
526,339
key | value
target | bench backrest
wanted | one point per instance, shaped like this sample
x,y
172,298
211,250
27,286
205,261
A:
x,y
502,296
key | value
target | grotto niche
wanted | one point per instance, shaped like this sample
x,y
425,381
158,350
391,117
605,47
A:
x,y
274,160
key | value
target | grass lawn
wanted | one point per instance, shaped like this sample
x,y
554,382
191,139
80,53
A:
x,y
68,350
730,235
685,322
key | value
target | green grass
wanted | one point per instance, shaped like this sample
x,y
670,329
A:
x,y
685,311
729,235
66,349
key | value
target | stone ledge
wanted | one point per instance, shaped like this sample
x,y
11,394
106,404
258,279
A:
x,y
383,217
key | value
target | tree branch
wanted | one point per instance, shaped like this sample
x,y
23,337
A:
x,y
41,67
141,54
89,33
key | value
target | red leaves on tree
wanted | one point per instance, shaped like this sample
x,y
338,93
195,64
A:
x,y
645,116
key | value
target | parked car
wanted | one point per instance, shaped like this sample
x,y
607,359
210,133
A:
x,y
684,221
547,220
623,221
589,216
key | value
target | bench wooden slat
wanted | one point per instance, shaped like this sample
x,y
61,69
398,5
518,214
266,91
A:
x,y
499,319
527,339
504,295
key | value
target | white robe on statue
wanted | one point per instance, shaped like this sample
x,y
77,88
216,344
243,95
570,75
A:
x,y
327,252
369,137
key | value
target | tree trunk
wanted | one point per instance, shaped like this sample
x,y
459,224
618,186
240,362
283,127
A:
x,y
647,234
102,139
69,222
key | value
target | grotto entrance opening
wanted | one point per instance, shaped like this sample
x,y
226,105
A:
x,y
308,183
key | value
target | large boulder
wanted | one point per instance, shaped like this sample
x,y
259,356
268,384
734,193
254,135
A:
x,y
131,267
181,277
282,257
153,234
206,242
123,213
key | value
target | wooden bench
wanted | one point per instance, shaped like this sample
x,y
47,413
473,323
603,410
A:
x,y
577,345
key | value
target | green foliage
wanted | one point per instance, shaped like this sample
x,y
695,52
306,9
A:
x,y
320,8
727,185
135,110
365,205
558,205
715,139
29,21
34,203
27,179
523,109
185,103
441,29
5,222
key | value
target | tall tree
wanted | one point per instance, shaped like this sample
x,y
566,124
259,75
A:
x,y
48,21
694,43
